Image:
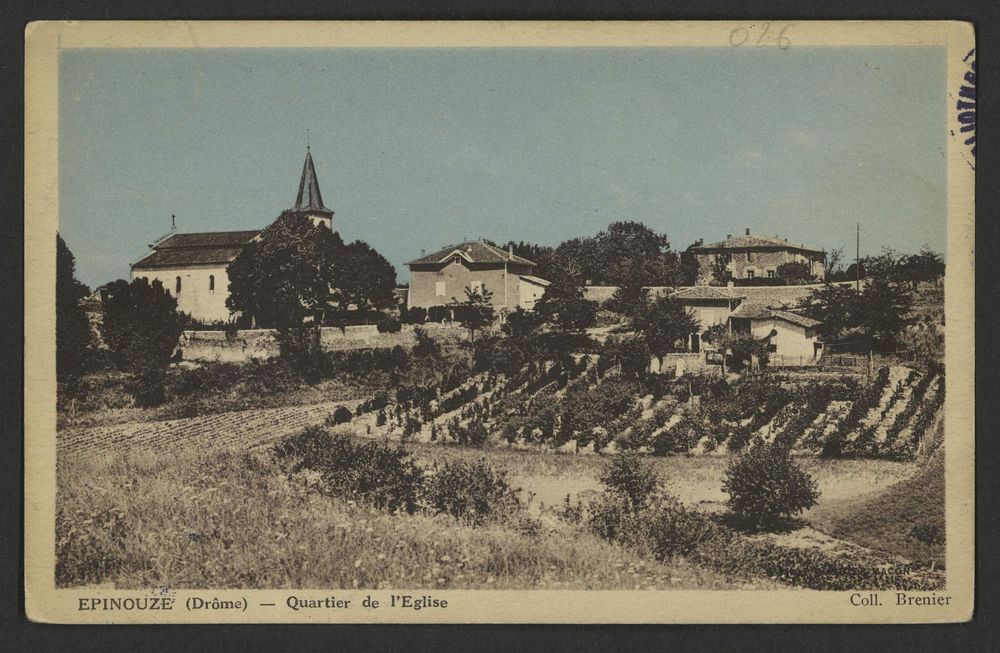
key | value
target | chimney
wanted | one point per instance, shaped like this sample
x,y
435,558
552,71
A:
x,y
748,231
728,236
510,252
730,284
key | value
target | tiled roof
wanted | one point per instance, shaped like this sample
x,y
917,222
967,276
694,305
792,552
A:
x,y
751,241
536,280
794,318
160,258
752,311
197,249
209,239
708,292
474,252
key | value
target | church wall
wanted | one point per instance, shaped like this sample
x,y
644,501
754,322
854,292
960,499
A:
x,y
196,297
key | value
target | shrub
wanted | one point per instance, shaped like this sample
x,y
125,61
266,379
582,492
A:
x,y
148,386
300,348
764,484
426,347
373,472
388,324
341,415
629,477
414,315
470,491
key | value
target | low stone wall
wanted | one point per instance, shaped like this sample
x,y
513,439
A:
x,y
678,364
262,344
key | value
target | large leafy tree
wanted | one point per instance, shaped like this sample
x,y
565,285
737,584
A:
x,y
363,278
141,324
884,312
563,307
836,306
72,325
927,265
287,274
624,251
666,324
794,272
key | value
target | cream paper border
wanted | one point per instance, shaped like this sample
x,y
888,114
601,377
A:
x,y
43,602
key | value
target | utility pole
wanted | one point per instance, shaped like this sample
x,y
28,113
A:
x,y
857,260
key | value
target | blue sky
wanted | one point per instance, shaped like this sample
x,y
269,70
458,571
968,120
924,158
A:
x,y
419,148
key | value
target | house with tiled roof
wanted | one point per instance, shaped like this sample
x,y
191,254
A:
x,y
788,333
193,266
752,256
441,278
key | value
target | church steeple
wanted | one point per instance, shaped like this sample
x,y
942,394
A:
x,y
309,201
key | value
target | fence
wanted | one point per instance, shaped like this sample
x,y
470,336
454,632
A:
x,y
831,360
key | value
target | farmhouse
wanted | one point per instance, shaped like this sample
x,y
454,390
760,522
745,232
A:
x,y
755,257
442,277
193,266
789,334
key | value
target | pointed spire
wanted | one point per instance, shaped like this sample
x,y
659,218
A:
x,y
309,199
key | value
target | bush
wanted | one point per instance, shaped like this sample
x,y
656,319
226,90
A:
x,y
764,484
388,324
341,415
630,478
470,491
148,386
373,472
300,348
414,315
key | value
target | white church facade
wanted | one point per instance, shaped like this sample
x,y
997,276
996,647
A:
x,y
193,266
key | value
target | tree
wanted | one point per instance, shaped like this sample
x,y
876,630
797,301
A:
x,y
630,295
476,312
141,324
285,275
884,312
794,272
613,256
666,324
688,268
563,307
544,257
141,327
836,306
927,265
740,348
834,265
720,273
765,484
72,325
631,353
363,278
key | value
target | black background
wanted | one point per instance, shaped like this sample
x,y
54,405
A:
x,y
17,633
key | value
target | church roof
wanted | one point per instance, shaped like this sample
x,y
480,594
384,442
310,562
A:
x,y
309,198
207,248
472,252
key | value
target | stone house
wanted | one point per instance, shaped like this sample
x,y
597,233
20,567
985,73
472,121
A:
x,y
756,257
193,266
789,334
441,278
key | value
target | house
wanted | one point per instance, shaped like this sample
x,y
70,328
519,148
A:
x,y
442,277
755,257
193,266
789,334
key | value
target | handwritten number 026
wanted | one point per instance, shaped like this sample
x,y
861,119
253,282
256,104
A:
x,y
741,35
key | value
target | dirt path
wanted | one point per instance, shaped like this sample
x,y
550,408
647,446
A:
x,y
243,428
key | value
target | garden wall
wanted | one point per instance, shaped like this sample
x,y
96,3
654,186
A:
x,y
261,343
678,364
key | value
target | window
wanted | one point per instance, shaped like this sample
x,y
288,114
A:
x,y
749,256
211,283
476,286
177,285
439,289
750,274
770,274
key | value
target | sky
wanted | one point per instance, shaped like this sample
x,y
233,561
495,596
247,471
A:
x,y
416,149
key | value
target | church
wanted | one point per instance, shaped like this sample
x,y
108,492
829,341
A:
x,y
193,266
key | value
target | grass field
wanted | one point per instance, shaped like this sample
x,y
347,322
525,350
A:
x,y
226,520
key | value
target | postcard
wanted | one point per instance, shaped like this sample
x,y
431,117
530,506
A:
x,y
499,322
